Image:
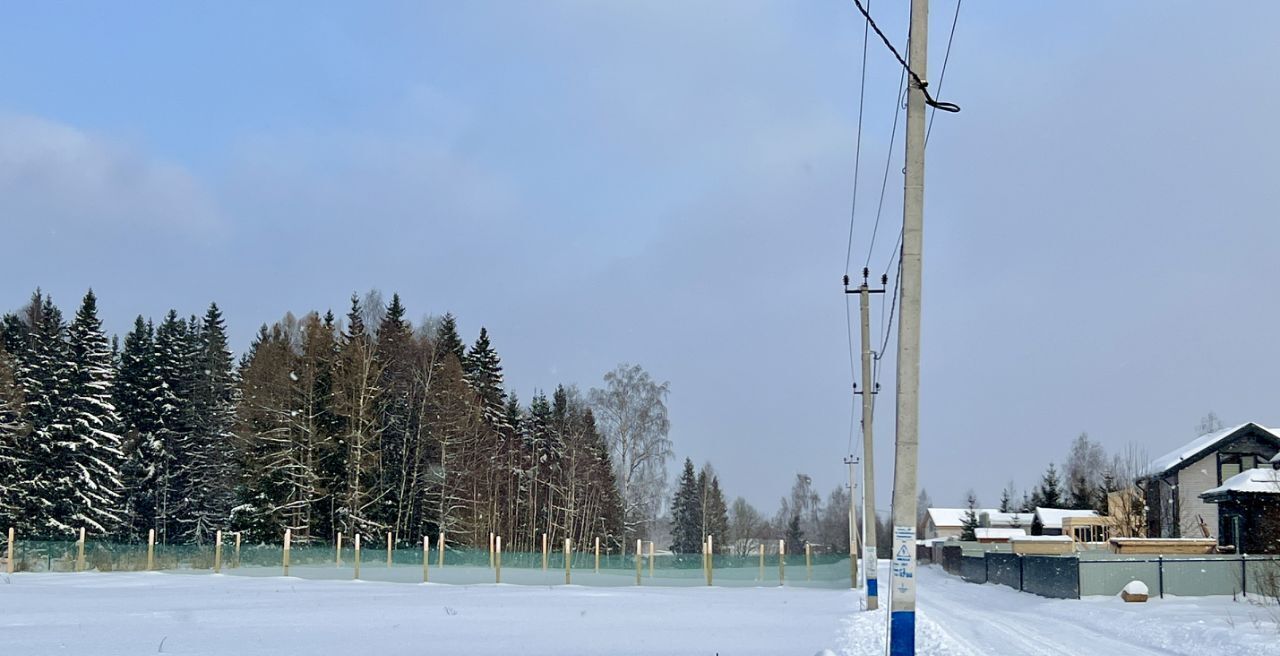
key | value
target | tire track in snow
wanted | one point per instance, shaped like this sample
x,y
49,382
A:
x,y
987,628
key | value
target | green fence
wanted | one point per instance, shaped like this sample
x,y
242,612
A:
x,y
458,565
1092,571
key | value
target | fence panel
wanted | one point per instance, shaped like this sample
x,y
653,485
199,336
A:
x,y
951,555
973,569
1005,569
1057,577
1102,575
1202,576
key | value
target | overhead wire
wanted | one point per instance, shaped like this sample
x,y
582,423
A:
x,y
896,253
920,83
857,150
853,213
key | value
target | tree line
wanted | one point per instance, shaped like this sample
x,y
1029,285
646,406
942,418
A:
x,y
367,424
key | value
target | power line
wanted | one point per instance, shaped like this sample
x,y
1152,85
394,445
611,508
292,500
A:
x,y
955,18
884,182
920,84
857,151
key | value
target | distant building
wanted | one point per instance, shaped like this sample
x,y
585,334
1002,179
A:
x,y
1048,521
999,535
949,522
1249,510
1176,482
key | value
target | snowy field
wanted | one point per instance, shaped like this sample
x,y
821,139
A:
x,y
147,613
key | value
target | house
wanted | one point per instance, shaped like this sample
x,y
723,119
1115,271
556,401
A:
x,y
1249,510
1001,535
1048,521
949,522
1175,481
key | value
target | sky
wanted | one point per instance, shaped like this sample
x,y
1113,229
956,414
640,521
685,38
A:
x,y
671,184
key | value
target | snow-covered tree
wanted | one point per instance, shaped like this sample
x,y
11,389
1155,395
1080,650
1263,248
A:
x,y
632,414
14,432
969,525
138,396
686,528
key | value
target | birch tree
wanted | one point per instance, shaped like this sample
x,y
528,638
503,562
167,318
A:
x,y
631,411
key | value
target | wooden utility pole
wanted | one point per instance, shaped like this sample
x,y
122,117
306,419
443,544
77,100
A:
x,y
902,616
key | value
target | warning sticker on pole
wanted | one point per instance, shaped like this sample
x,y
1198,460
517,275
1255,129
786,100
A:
x,y
903,567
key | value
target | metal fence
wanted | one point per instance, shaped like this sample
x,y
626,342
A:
x,y
1095,572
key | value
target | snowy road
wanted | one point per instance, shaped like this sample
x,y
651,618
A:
x,y
963,619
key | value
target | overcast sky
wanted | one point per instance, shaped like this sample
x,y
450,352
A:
x,y
669,184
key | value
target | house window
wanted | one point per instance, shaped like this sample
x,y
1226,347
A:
x,y
1230,464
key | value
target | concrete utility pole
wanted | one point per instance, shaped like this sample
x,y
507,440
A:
x,y
902,616
853,522
869,390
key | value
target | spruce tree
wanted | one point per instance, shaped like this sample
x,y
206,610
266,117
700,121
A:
x,y
210,445
686,509
447,340
43,376
138,398
1049,493
794,536
483,370
717,515
969,525
175,365
94,423
14,448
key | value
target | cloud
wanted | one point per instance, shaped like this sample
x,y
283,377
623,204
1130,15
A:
x,y
58,176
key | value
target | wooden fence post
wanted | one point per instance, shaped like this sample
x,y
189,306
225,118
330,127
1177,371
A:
x,y
567,557
711,559
217,553
808,562
497,562
237,549
639,558
288,539
337,557
762,561
357,556
650,558
80,551
782,561
151,549
544,552
597,555
426,557
491,536
388,549
8,563
440,550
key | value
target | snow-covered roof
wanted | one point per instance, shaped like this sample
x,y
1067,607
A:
x,y
1009,520
954,517
1052,517
1262,480
1042,538
1193,449
998,533
1276,460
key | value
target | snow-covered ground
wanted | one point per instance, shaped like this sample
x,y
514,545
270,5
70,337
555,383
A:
x,y
136,613
147,613
956,618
